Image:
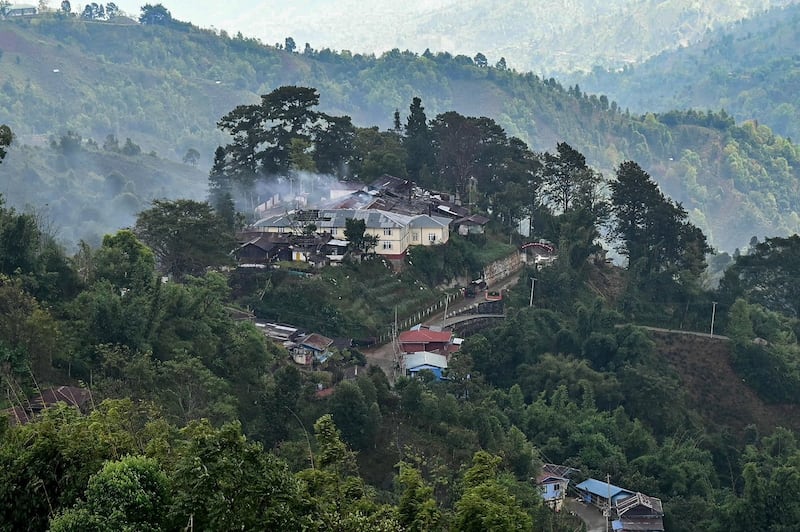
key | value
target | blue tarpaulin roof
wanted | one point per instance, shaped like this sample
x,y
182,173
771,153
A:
x,y
602,489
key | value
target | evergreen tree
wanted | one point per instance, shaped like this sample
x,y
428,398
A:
x,y
566,175
418,142
5,140
653,232
263,133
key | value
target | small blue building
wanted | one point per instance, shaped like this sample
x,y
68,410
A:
x,y
424,360
553,482
601,494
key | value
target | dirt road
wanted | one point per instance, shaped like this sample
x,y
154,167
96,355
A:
x,y
387,356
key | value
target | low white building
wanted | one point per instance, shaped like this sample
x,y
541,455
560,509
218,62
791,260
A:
x,y
18,10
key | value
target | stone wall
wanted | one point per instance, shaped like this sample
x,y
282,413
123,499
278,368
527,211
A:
x,y
500,269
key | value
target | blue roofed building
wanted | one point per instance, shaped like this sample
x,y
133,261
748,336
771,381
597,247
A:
x,y
601,494
424,360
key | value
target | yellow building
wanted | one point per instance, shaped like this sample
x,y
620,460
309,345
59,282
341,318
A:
x,y
395,232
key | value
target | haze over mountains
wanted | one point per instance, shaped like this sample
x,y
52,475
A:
x,y
751,70
548,38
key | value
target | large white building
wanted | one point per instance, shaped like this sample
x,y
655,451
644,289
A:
x,y
395,232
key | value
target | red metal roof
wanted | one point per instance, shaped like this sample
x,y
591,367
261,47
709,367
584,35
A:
x,y
425,336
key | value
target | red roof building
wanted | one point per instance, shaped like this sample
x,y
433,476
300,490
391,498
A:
x,y
425,340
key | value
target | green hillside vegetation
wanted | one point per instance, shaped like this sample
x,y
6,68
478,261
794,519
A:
x,y
197,418
158,84
750,69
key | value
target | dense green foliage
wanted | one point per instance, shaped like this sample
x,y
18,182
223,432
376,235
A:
x,y
561,382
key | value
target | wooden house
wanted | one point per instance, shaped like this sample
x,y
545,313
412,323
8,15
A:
x,y
471,225
639,513
310,348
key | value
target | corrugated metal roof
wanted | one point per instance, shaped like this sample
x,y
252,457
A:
x,y
601,489
316,341
373,218
424,220
424,336
640,499
648,524
424,358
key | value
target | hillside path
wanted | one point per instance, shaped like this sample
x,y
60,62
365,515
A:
x,y
384,356
591,516
679,331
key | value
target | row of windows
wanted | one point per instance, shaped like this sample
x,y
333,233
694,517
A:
x,y
388,232
431,237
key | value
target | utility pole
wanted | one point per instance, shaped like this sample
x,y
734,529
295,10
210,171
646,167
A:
x,y
533,283
608,511
713,315
395,347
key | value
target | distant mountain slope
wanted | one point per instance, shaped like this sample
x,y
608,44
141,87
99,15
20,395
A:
x,y
543,37
165,87
752,70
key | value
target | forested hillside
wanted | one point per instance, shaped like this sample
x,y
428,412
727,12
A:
x,y
184,414
750,69
166,86
192,416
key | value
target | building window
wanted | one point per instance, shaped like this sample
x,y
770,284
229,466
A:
x,y
387,245
431,237
415,236
387,231
333,231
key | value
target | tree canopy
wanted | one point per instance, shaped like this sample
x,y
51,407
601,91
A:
x,y
265,135
653,230
186,236
5,140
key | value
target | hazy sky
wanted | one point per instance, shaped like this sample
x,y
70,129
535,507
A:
x,y
320,22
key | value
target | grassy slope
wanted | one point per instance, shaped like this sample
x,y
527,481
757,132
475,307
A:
x,y
717,393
